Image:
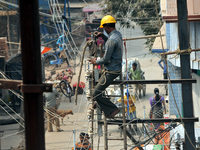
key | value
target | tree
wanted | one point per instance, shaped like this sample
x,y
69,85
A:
x,y
143,12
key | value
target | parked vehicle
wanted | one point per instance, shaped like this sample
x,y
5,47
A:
x,y
53,60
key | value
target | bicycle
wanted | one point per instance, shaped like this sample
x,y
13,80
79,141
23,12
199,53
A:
x,y
53,60
65,86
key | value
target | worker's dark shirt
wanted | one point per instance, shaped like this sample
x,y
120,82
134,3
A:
x,y
112,59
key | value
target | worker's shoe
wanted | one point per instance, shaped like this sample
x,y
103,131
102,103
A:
x,y
94,106
112,115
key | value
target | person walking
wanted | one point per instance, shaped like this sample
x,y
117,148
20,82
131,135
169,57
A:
x,y
62,41
136,75
131,113
112,61
164,67
51,109
157,106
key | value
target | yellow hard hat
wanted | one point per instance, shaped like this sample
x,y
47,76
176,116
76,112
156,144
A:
x,y
107,19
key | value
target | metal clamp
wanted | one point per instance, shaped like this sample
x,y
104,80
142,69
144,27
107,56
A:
x,y
35,88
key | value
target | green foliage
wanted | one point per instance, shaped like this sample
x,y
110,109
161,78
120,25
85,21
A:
x,y
143,12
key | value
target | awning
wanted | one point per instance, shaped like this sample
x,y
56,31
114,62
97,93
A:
x,y
157,45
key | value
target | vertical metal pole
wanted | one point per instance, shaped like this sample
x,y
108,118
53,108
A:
x,y
53,10
144,127
70,28
123,114
65,8
92,137
8,30
105,134
88,66
98,142
85,65
74,134
185,73
163,141
32,73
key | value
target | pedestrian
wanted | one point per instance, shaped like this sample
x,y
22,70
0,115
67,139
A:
x,y
131,114
136,75
164,67
84,144
112,61
51,109
157,106
62,41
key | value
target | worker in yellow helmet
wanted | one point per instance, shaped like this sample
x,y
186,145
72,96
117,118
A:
x,y
112,61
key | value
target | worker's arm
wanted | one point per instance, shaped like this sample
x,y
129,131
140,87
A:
x,y
159,62
119,100
100,34
109,48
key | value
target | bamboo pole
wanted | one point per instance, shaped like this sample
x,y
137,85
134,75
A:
x,y
142,37
174,52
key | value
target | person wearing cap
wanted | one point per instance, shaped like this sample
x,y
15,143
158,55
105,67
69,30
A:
x,y
51,109
84,144
132,108
62,40
112,61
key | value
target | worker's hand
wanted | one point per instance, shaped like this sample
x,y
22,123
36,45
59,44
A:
x,y
162,67
92,60
98,34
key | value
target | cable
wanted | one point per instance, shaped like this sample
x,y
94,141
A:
x,y
12,116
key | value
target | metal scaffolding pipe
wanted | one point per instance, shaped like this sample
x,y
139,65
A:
x,y
32,74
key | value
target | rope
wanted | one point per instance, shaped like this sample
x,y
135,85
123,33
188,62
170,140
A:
x,y
12,110
81,65
180,52
106,71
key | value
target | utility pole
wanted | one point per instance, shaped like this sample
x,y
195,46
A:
x,y
185,73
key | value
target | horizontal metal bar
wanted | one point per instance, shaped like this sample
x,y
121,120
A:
x,y
116,139
36,88
10,84
114,95
157,120
25,88
165,81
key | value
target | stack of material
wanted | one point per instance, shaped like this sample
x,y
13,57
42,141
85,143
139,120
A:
x,y
4,48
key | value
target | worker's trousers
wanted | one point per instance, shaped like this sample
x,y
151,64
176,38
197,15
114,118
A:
x,y
98,93
51,117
